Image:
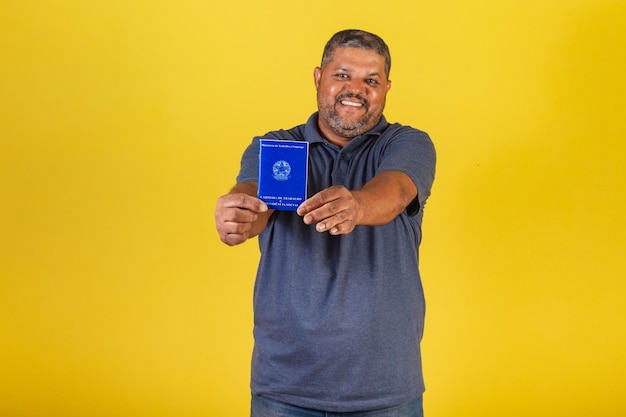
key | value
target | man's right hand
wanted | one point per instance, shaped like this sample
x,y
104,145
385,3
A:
x,y
239,216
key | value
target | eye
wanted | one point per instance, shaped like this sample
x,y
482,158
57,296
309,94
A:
x,y
371,81
341,76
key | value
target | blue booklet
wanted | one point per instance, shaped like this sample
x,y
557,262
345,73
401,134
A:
x,y
283,172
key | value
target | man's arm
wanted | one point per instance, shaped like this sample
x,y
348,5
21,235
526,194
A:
x,y
338,210
240,215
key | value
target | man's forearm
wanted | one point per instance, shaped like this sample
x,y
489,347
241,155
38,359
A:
x,y
384,197
338,210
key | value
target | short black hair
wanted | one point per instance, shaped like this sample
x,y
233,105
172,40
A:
x,y
353,38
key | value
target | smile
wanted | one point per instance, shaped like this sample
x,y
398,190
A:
x,y
351,103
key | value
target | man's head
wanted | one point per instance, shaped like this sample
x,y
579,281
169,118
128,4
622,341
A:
x,y
352,85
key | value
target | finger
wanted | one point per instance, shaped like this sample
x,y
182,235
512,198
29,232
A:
x,y
233,239
238,226
318,200
243,201
339,223
324,215
323,205
343,228
234,215
234,232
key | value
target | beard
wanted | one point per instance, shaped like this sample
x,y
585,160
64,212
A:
x,y
347,127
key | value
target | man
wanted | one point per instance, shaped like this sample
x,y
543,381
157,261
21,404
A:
x,y
338,301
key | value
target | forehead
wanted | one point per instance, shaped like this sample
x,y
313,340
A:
x,y
357,59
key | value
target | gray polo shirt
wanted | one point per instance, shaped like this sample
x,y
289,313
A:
x,y
339,319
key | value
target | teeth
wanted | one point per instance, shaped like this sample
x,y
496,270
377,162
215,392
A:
x,y
351,103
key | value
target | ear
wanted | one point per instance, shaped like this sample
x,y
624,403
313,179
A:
x,y
388,85
317,76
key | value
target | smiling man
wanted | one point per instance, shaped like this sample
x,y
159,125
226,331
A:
x,y
338,301
351,92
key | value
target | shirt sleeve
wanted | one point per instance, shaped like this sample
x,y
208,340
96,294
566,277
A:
x,y
411,151
249,169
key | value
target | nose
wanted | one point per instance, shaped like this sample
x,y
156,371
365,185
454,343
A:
x,y
354,87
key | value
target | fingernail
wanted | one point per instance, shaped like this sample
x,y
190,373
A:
x,y
263,207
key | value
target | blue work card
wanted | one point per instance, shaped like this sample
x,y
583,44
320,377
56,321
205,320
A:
x,y
283,172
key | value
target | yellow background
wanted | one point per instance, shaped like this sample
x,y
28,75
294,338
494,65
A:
x,y
122,121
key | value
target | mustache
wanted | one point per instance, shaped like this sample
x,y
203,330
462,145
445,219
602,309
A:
x,y
359,97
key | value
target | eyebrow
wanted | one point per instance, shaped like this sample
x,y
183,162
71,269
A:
x,y
369,74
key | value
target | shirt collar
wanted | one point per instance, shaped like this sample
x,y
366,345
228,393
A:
x,y
312,133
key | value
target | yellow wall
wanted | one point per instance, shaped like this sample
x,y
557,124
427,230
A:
x,y
122,121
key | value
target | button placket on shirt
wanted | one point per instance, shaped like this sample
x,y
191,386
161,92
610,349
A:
x,y
340,171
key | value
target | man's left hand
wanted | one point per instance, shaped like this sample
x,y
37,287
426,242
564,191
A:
x,y
334,209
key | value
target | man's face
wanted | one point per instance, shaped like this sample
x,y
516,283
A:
x,y
351,92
